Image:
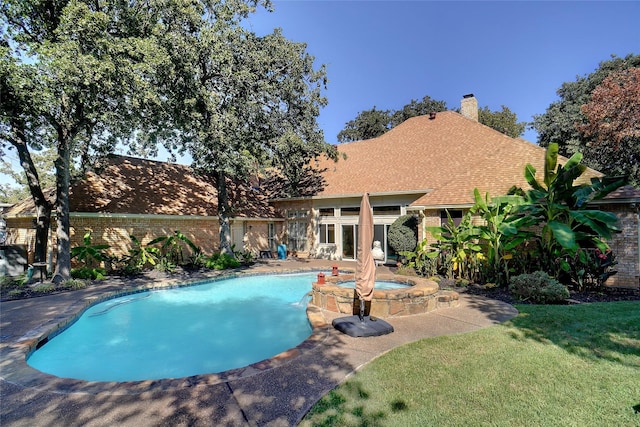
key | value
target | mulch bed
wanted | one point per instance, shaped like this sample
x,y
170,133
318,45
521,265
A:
x,y
606,295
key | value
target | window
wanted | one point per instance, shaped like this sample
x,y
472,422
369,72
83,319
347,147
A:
x,y
272,237
297,235
297,230
350,211
326,212
292,214
456,216
349,241
386,210
327,233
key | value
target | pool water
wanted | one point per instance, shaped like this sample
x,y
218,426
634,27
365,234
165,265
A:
x,y
174,333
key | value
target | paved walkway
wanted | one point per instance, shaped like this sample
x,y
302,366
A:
x,y
278,392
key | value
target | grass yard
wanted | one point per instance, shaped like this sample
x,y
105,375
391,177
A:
x,y
573,365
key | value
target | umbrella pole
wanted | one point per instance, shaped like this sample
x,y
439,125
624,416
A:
x,y
361,310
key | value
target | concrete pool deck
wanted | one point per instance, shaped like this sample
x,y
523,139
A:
x,y
278,392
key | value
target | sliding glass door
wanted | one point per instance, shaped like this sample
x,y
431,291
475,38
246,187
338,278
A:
x,y
349,241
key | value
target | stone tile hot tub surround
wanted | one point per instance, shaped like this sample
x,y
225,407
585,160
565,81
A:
x,y
423,296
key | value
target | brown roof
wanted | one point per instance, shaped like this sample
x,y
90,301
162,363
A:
x,y
447,157
626,193
127,185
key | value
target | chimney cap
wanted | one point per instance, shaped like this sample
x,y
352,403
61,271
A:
x,y
469,95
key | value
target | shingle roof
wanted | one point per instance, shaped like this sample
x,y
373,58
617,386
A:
x,y
449,155
127,185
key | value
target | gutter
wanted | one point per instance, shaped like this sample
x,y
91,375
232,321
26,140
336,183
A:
x,y
432,207
147,216
353,195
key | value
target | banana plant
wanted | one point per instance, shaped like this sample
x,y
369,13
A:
x,y
501,232
140,255
172,247
90,255
561,209
457,246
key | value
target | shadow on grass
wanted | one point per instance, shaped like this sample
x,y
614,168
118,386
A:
x,y
351,402
609,331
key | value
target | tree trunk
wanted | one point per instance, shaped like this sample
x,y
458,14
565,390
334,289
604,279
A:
x,y
62,163
223,214
42,205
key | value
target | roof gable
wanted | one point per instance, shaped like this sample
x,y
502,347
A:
x,y
128,185
449,155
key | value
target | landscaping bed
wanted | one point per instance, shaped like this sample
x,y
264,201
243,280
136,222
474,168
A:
x,y
606,295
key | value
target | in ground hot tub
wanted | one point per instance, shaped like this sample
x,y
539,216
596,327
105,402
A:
x,y
417,296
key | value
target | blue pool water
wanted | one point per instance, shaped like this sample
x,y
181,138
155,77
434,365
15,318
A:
x,y
174,333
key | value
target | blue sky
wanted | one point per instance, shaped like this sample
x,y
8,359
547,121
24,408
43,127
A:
x,y
512,53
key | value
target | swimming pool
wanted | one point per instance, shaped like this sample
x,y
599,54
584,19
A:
x,y
173,333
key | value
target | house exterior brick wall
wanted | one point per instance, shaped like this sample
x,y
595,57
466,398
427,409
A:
x,y
430,218
625,246
114,230
256,238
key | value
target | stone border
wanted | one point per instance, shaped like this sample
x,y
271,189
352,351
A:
x,y
27,376
423,296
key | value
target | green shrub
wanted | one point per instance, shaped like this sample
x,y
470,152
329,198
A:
x,y
172,248
462,283
538,287
73,284
139,257
16,293
403,234
220,261
44,288
88,273
405,270
166,265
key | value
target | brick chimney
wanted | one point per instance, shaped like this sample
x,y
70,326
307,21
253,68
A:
x,y
469,107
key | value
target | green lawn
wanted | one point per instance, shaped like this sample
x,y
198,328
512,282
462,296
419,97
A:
x,y
550,366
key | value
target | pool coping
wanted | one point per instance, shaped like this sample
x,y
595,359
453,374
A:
x,y
31,342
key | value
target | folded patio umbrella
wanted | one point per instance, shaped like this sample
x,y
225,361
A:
x,y
361,325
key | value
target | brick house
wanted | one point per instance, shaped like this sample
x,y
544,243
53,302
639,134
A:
x,y
423,166
129,196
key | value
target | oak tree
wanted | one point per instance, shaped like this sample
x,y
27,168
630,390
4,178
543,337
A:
x,y
76,77
613,124
373,123
504,121
564,120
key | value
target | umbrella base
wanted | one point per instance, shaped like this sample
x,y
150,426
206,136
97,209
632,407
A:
x,y
367,327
